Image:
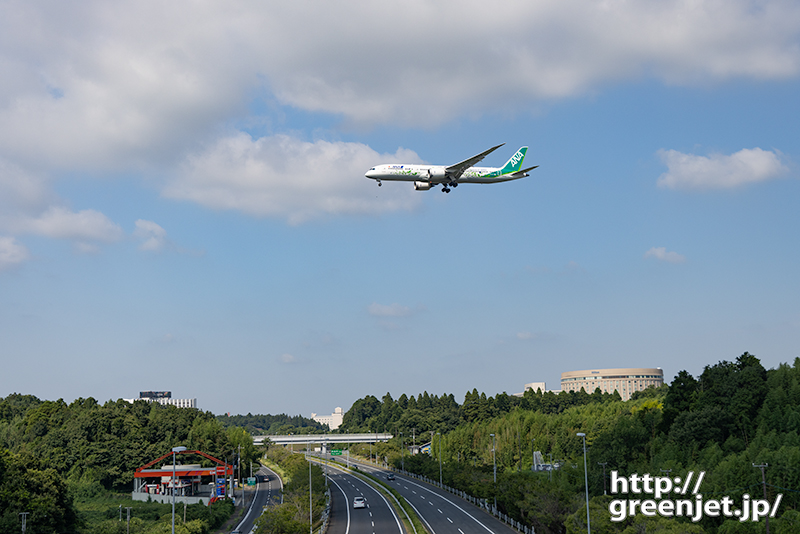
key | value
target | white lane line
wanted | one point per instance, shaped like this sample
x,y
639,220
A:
x,y
422,517
379,494
454,504
346,505
449,519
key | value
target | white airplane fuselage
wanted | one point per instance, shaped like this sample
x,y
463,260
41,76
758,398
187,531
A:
x,y
435,174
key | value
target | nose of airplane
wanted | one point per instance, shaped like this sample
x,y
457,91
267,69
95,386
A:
x,y
370,174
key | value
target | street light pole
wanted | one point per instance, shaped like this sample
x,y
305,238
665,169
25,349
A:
x,y
494,463
175,450
586,481
402,454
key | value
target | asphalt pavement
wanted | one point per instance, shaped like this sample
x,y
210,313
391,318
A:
x,y
377,518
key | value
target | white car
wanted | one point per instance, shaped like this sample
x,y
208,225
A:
x,y
359,502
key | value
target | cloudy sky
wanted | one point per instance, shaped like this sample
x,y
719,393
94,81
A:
x,y
183,203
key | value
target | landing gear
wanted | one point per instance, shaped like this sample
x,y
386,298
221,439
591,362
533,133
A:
x,y
379,183
446,187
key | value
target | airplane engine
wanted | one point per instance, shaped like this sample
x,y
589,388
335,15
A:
x,y
436,175
422,186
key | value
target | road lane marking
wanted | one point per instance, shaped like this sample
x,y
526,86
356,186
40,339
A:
x,y
346,505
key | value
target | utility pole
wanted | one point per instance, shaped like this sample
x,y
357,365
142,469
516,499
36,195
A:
x,y
24,520
533,454
604,474
764,483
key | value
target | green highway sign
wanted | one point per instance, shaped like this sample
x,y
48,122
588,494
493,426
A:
x,y
336,452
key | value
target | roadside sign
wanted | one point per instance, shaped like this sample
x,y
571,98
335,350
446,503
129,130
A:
x,y
336,452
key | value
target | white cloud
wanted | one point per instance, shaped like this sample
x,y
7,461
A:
x,y
524,336
127,84
287,358
660,253
390,310
11,253
112,87
719,171
281,176
60,223
153,236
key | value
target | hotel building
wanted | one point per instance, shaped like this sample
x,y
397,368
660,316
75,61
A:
x,y
626,380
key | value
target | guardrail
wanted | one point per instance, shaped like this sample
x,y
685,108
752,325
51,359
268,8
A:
x,y
480,503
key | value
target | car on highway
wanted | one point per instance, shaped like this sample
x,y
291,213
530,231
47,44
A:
x,y
390,476
359,502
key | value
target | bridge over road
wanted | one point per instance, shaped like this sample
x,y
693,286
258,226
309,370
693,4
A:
x,y
322,439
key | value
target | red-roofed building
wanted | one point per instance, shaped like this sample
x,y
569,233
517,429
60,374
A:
x,y
193,482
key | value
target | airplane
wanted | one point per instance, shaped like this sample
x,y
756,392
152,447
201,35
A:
x,y
428,176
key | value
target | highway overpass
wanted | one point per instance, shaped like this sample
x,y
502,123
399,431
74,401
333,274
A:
x,y
321,439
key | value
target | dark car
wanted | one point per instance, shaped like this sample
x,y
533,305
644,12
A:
x,y
390,476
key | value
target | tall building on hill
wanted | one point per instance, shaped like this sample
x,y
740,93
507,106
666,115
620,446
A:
x,y
625,380
333,420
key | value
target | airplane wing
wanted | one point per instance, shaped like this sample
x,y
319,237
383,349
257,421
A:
x,y
455,171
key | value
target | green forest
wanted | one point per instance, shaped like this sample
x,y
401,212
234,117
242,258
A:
x,y
71,465
735,414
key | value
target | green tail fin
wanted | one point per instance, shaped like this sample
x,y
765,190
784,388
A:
x,y
515,163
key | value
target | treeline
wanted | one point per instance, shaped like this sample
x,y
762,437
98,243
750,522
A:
x,y
84,449
425,413
273,424
734,415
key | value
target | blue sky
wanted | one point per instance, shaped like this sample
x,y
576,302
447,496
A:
x,y
183,203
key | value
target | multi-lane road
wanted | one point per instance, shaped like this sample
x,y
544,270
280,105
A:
x,y
269,490
442,512
378,517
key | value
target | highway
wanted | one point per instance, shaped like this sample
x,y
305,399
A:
x,y
269,490
377,518
442,512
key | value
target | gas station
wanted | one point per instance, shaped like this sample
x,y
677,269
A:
x,y
190,483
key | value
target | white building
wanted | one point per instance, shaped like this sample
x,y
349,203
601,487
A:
x,y
535,386
165,399
333,420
